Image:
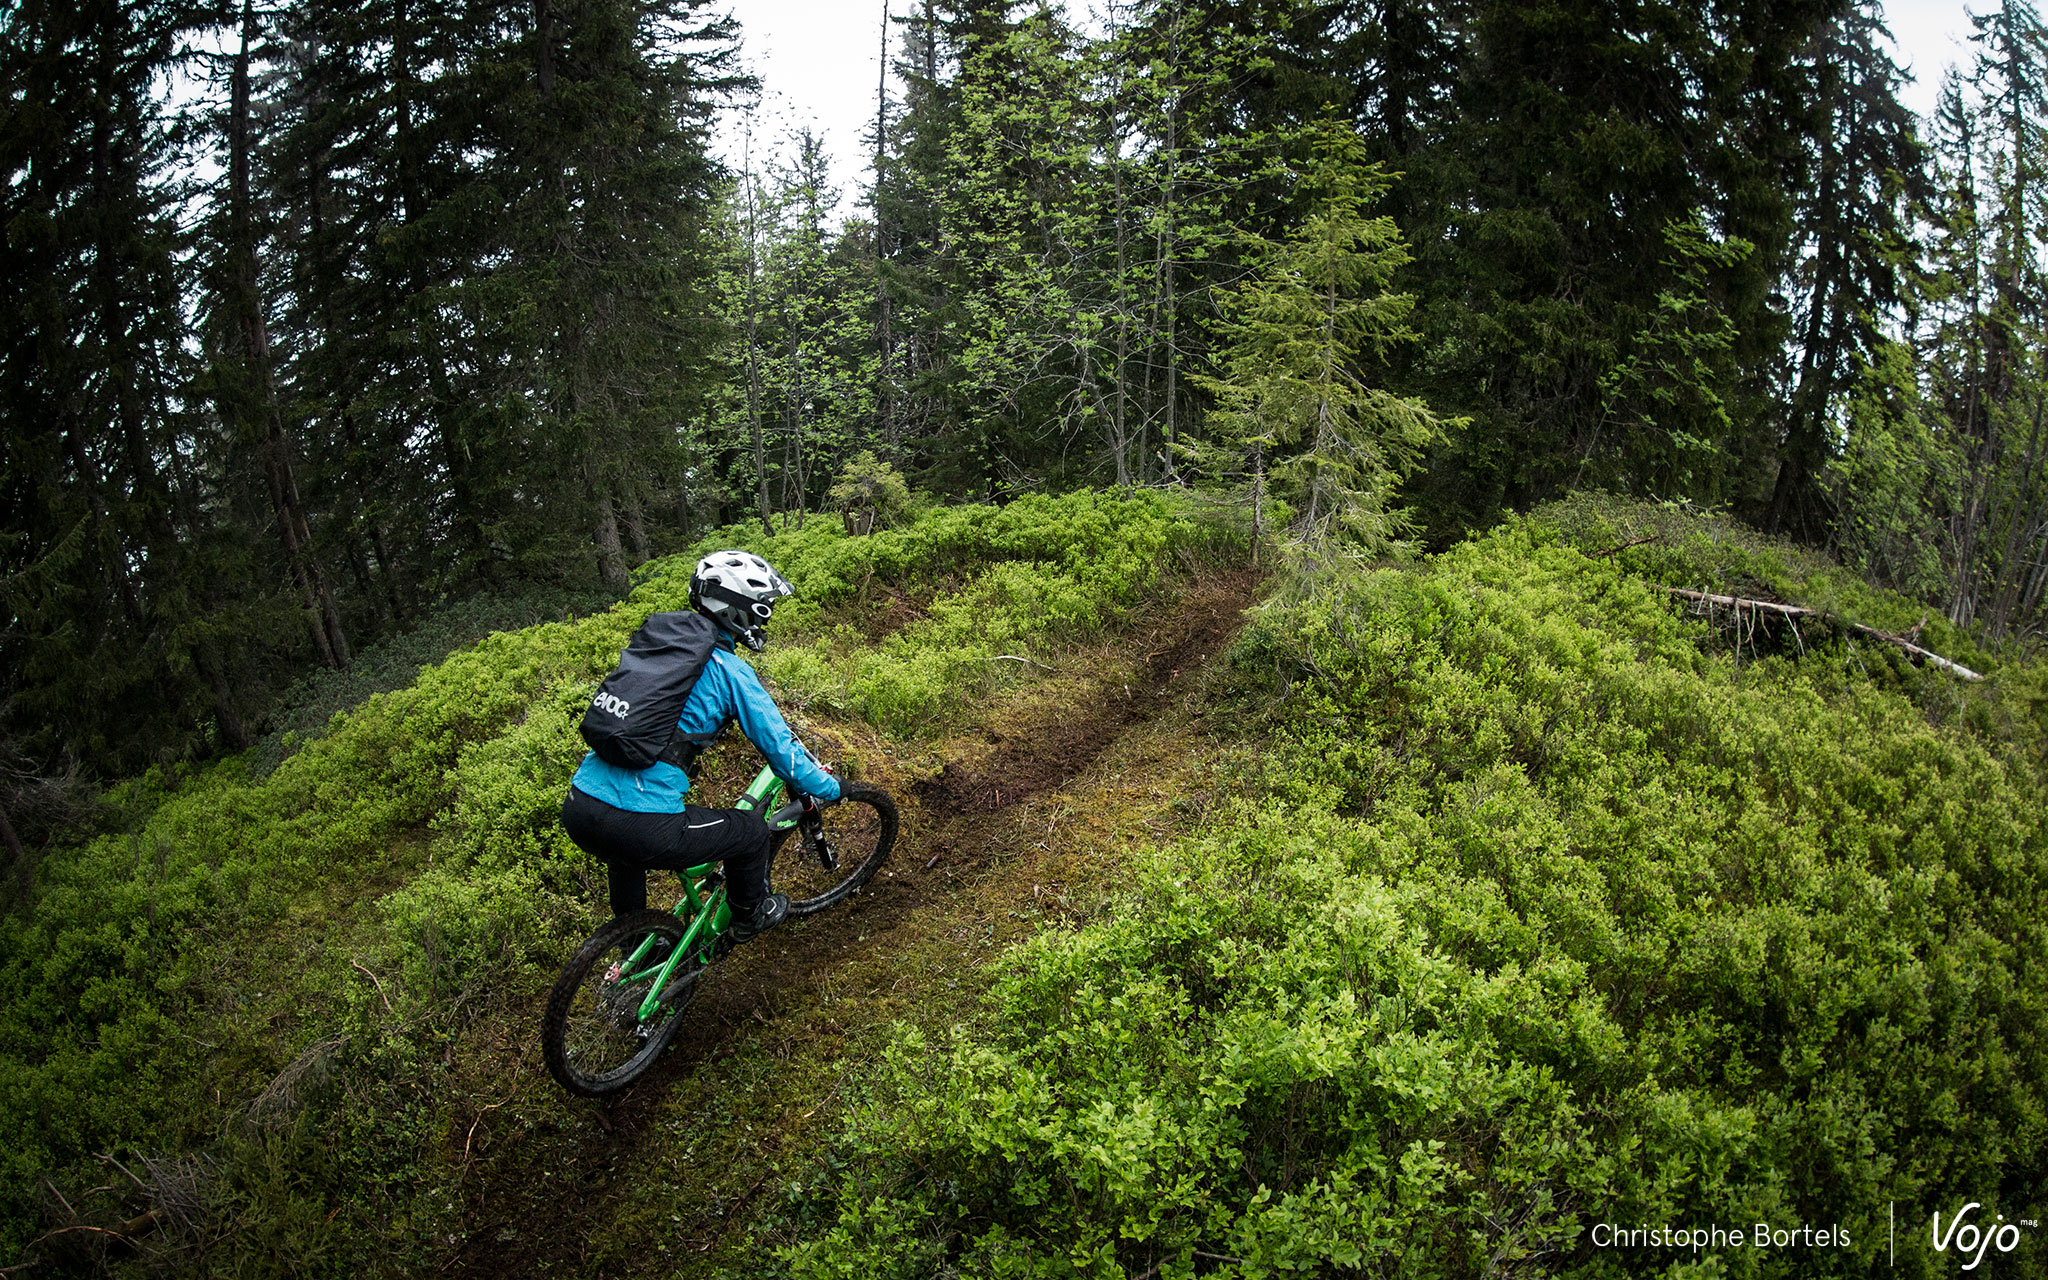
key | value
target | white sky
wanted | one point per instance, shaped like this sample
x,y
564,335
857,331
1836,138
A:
x,y
1931,37
818,61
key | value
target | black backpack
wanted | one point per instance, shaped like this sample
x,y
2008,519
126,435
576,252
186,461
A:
x,y
631,722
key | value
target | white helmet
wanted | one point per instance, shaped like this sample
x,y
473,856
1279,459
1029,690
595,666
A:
x,y
738,591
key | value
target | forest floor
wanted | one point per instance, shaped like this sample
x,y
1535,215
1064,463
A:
x,y
1020,823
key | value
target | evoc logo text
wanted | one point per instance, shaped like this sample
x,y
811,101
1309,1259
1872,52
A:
x,y
611,702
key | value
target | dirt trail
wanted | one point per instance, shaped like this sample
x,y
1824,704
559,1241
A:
x,y
954,826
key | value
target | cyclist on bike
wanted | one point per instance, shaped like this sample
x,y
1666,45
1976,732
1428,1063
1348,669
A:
x,y
637,819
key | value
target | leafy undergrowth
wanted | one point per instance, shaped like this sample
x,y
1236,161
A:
x,y
266,1030
1549,912
1028,823
1680,547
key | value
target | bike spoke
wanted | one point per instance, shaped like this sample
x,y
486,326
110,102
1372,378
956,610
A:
x,y
596,1036
820,867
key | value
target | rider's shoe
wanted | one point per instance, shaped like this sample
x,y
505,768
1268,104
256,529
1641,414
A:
x,y
746,925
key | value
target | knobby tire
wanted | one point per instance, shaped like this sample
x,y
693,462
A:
x,y
592,1040
591,1037
860,828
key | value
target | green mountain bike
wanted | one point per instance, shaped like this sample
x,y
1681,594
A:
x,y
620,999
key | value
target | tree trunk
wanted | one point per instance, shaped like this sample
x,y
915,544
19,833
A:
x,y
1119,287
234,731
1168,250
885,406
636,526
10,840
256,393
796,423
1258,499
544,36
753,343
611,557
1805,447
1166,267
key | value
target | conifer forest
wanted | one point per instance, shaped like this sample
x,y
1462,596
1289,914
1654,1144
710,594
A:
x,y
1475,571
320,316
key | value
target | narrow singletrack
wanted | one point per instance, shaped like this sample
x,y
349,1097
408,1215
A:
x,y
955,826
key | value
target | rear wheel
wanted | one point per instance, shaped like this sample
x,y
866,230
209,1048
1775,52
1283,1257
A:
x,y
593,1036
826,858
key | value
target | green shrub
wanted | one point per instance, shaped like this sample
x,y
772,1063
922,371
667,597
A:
x,y
404,872
1552,916
1711,552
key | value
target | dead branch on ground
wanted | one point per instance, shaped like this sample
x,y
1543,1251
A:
x,y
1739,604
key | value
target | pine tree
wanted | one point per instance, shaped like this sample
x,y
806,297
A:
x,y
1179,199
1984,323
242,373
907,199
1291,386
120,642
1861,175
1015,216
1577,136
819,401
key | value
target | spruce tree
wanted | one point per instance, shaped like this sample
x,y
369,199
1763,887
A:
x,y
122,599
1983,324
1291,386
1860,176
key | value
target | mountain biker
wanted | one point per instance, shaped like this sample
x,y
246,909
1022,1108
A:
x,y
637,820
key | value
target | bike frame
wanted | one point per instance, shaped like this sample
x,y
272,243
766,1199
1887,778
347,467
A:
x,y
704,909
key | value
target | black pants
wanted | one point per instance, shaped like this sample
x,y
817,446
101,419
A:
x,y
632,844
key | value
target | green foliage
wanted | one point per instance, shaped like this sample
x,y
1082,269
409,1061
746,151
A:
x,y
871,493
1551,917
305,709
406,870
1672,386
1318,305
1893,460
1679,546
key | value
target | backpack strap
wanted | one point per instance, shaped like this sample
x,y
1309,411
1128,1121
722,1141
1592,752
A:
x,y
684,749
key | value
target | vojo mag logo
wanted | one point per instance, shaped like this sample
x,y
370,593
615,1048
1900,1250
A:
x,y
611,702
1973,1240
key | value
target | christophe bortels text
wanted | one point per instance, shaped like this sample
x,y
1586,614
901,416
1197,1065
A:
x,y
1761,1235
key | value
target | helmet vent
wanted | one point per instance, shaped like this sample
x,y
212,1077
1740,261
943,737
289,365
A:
x,y
738,590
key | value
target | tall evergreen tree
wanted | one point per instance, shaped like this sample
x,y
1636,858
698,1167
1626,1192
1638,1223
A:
x,y
242,371
1017,222
1860,179
1984,323
1292,385
1578,137
112,646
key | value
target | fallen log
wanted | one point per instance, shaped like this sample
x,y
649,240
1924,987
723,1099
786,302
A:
x,y
1799,611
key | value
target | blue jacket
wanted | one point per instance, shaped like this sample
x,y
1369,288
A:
x,y
727,689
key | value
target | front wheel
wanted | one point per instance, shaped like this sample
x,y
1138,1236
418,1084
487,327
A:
x,y
594,1038
827,857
